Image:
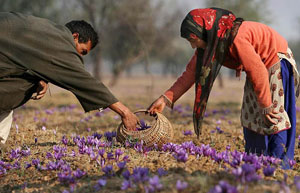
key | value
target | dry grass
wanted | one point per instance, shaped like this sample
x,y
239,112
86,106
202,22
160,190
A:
x,y
201,174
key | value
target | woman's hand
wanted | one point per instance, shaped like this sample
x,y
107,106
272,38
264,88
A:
x,y
157,106
271,118
41,90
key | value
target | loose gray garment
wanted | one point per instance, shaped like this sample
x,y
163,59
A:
x,y
34,49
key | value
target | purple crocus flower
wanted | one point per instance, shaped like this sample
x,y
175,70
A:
x,y
143,125
35,162
181,155
121,165
53,165
110,135
154,184
27,165
126,158
219,130
15,153
66,177
268,171
2,170
64,140
98,114
297,182
126,185
25,152
101,152
44,128
108,170
126,174
100,183
35,140
223,186
180,186
73,154
79,173
118,152
97,135
247,173
161,172
110,156
187,132
140,174
292,163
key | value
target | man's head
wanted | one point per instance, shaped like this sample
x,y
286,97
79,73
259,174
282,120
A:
x,y
84,35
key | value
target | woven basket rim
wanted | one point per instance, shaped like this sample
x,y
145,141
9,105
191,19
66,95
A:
x,y
157,133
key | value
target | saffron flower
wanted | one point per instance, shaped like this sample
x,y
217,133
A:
x,y
44,128
126,185
121,165
97,135
161,172
223,186
187,132
110,135
126,174
143,125
180,186
64,140
154,184
268,171
108,170
79,173
297,182
100,183
219,130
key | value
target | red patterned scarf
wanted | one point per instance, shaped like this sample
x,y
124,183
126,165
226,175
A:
x,y
217,27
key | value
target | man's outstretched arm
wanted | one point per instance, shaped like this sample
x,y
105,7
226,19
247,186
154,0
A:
x,y
129,119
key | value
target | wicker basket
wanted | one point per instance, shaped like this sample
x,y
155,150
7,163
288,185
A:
x,y
159,133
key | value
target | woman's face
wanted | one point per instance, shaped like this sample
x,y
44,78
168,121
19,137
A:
x,y
197,43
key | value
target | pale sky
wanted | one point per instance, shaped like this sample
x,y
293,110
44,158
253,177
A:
x,y
286,15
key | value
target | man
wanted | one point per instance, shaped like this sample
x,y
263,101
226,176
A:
x,y
35,51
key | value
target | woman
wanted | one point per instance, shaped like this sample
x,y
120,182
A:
x,y
268,112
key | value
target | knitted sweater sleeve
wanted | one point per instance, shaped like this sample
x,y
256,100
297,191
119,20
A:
x,y
256,71
184,82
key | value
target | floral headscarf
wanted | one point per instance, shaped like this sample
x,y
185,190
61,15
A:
x,y
217,27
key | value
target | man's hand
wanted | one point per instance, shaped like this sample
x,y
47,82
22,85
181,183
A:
x,y
157,106
40,91
271,118
129,119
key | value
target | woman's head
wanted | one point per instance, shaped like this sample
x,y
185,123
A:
x,y
196,42
199,26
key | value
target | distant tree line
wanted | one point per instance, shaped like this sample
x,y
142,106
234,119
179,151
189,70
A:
x,y
134,32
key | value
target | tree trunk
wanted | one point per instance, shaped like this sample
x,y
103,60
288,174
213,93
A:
x,y
97,66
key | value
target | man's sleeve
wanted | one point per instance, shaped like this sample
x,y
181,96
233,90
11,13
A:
x,y
71,75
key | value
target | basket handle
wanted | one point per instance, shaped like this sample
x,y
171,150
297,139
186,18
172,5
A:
x,y
144,111
140,111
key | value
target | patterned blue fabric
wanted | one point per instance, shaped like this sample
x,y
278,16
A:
x,y
282,144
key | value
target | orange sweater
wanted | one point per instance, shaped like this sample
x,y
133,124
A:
x,y
254,50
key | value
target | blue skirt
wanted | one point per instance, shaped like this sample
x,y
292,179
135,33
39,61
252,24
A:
x,y
282,144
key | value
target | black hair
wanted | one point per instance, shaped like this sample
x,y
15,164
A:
x,y
85,30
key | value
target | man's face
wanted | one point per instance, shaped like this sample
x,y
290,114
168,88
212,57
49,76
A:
x,y
82,48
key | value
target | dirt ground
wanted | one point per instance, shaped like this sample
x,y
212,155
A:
x,y
40,125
